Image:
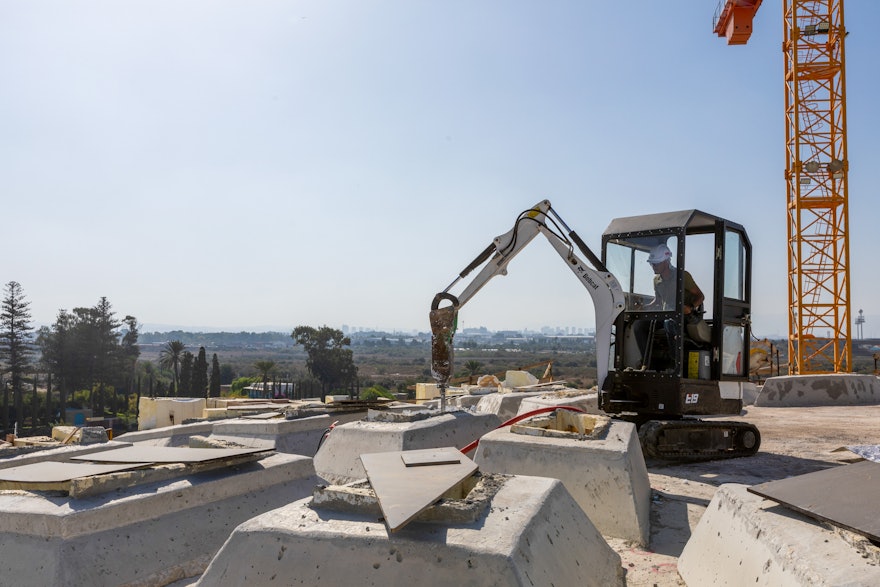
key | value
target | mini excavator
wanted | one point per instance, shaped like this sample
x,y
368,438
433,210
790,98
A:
x,y
660,367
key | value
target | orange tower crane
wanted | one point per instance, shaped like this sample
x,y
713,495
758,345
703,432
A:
x,y
816,170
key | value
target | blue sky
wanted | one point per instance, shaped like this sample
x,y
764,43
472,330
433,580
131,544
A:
x,y
260,165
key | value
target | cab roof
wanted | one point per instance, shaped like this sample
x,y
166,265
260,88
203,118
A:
x,y
688,221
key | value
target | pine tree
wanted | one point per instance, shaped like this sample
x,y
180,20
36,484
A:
x,y
199,387
15,344
186,369
215,377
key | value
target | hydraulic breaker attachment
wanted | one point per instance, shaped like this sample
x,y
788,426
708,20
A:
x,y
443,324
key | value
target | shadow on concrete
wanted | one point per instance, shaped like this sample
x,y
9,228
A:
x,y
670,524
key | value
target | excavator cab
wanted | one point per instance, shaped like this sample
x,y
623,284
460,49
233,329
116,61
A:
x,y
671,360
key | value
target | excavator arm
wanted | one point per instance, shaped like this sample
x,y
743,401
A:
x,y
605,291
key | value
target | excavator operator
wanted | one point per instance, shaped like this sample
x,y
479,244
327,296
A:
x,y
660,259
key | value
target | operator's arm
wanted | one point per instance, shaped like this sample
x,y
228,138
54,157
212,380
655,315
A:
x,y
697,296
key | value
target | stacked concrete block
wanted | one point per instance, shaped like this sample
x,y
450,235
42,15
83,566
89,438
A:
x,y
606,475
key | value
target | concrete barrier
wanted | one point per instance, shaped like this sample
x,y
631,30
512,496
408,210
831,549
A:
x,y
743,539
533,533
606,476
835,389
338,460
152,534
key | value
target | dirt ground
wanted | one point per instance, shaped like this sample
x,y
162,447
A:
x,y
794,441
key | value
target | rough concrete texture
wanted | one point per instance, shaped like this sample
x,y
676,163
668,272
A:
x,y
743,539
588,402
147,535
533,534
836,389
338,460
299,436
503,405
607,476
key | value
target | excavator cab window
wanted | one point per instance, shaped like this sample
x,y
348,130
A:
x,y
660,330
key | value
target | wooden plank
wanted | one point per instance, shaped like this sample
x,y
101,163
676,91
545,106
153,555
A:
x,y
845,496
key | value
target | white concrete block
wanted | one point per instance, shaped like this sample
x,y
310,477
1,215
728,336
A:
x,y
606,476
338,460
150,534
532,534
157,412
834,389
743,539
519,379
503,405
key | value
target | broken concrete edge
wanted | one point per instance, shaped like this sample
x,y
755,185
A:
x,y
755,541
452,508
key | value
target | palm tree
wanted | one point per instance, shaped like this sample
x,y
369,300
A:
x,y
170,357
473,367
265,368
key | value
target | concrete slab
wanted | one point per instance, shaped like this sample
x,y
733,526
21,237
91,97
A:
x,y
532,534
338,460
503,405
150,534
743,539
59,453
834,389
606,476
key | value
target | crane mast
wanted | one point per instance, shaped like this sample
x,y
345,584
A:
x,y
816,169
819,338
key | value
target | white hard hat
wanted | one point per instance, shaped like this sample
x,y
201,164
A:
x,y
659,254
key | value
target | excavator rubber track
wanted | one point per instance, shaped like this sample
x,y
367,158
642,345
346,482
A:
x,y
698,440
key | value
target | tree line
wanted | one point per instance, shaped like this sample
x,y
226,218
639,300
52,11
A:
x,y
89,357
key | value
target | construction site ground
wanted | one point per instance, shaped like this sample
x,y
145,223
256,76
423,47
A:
x,y
794,441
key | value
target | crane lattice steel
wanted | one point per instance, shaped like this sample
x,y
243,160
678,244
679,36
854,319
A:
x,y
816,170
